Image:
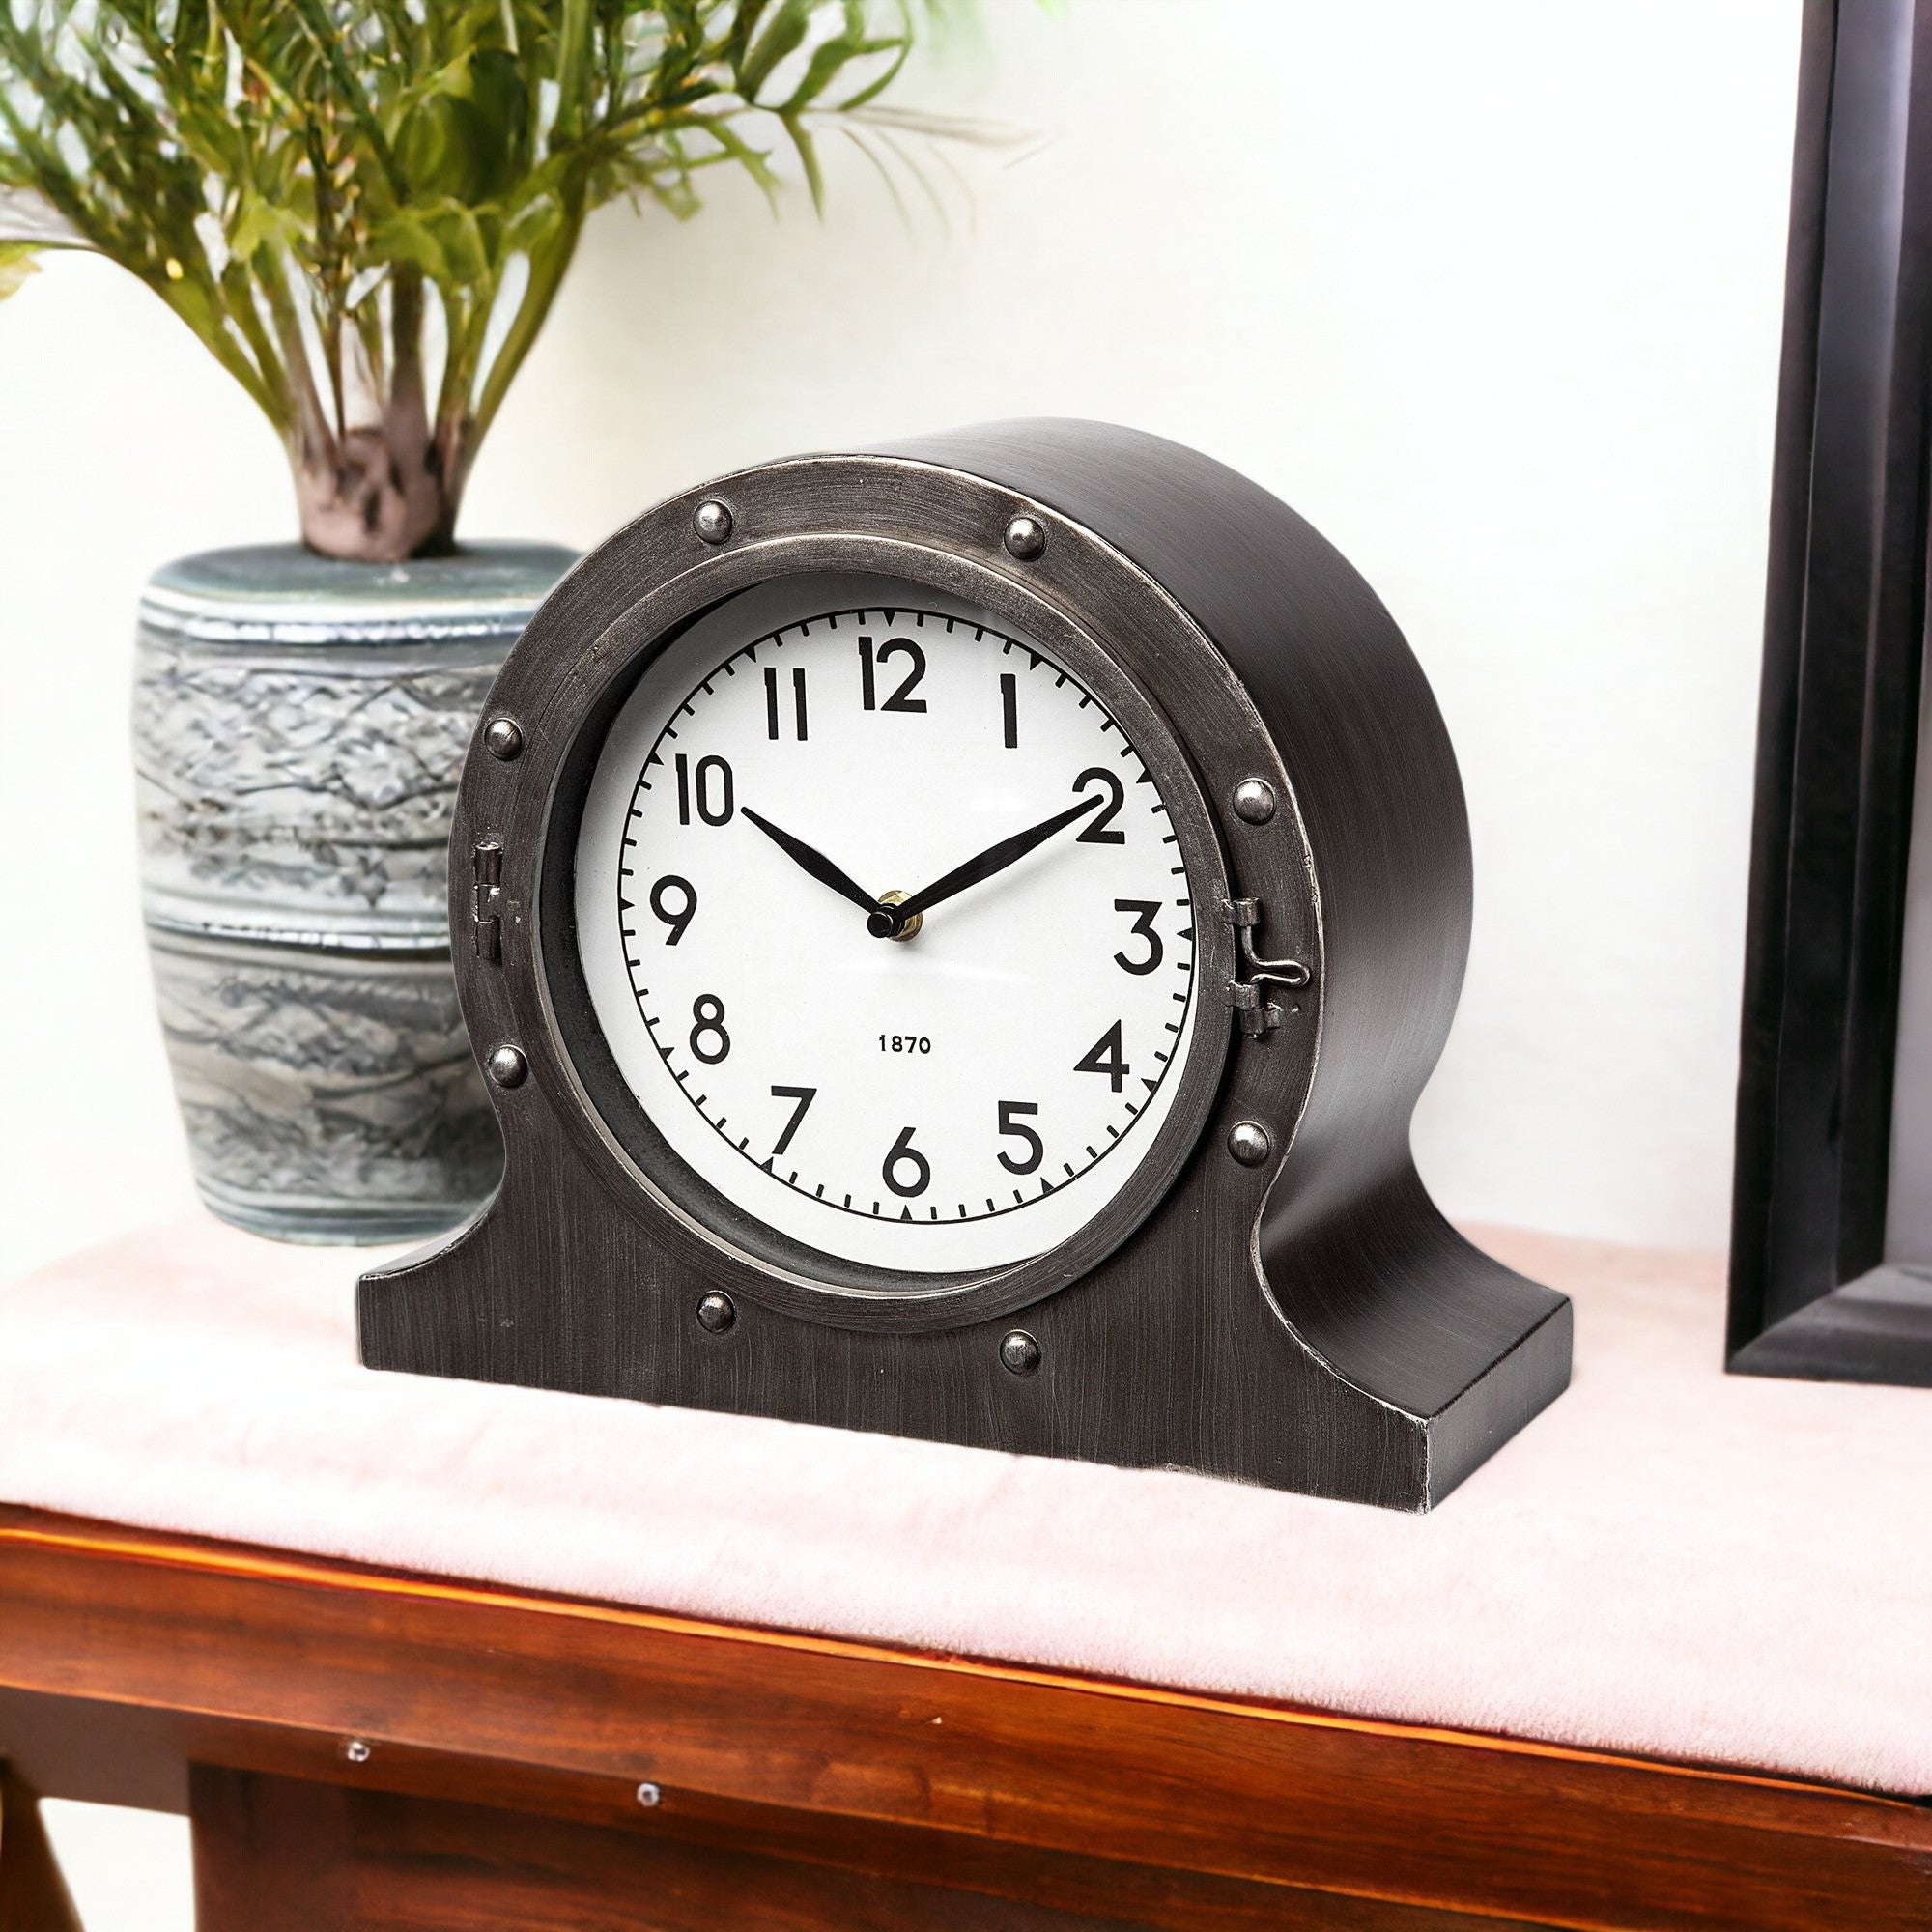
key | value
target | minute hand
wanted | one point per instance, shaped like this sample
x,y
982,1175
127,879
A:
x,y
994,859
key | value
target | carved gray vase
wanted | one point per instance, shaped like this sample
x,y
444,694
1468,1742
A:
x,y
299,727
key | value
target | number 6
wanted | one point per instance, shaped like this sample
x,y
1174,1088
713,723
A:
x,y
904,1151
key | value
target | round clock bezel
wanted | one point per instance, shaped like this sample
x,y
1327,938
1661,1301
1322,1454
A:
x,y
786,1272
914,1246
1156,662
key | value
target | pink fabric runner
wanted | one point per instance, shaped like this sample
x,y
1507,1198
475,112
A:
x,y
1669,1561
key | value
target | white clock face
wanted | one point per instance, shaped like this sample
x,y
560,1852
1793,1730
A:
x,y
957,1095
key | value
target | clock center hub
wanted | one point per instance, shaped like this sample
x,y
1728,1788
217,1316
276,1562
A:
x,y
883,926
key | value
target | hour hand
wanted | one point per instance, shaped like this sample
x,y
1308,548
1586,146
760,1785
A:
x,y
810,859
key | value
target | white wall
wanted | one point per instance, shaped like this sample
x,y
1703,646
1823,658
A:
x,y
1489,290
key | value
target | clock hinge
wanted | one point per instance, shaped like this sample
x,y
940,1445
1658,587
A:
x,y
1259,1016
485,922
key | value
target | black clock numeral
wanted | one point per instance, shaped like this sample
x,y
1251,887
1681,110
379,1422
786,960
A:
x,y
1021,1131
1010,709
711,786
677,917
711,1022
1144,911
805,1096
1106,1056
904,1152
1098,831
772,702
902,698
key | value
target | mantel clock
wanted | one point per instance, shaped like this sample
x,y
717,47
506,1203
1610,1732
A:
x,y
956,932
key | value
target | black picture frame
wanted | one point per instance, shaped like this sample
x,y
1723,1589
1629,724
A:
x,y
1814,1291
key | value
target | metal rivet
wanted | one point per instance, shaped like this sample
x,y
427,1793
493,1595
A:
x,y
1026,538
716,1313
649,1795
356,1751
1253,801
503,738
1019,1353
1249,1143
509,1068
712,521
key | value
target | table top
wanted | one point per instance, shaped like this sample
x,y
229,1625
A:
x,y
127,1657
1669,1563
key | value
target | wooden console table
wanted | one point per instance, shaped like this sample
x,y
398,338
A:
x,y
362,1749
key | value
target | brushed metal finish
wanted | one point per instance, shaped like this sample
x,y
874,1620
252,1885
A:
x,y
1310,1322
932,527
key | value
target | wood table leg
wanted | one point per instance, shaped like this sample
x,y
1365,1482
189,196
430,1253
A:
x,y
33,1895
277,1851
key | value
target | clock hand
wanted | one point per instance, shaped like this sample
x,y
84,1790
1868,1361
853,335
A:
x,y
890,921
814,862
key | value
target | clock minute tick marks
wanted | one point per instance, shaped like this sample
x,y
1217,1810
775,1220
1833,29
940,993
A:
x,y
982,869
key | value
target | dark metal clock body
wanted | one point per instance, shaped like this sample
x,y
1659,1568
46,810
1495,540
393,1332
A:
x,y
1242,1272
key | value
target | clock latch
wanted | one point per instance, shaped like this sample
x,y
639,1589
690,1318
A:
x,y
1257,1015
486,917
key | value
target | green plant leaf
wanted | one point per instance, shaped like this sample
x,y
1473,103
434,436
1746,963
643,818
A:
x,y
784,36
16,264
466,140
365,208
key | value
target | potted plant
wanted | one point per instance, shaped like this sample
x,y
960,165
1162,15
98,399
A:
x,y
366,209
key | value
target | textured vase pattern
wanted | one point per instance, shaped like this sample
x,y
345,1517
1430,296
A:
x,y
299,727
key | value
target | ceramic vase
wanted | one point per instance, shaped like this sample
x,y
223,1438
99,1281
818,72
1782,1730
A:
x,y
299,727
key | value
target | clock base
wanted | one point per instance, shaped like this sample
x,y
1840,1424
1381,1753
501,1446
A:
x,y
1177,1352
